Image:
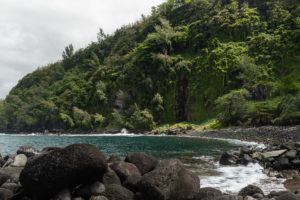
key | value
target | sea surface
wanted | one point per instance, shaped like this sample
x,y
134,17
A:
x,y
198,154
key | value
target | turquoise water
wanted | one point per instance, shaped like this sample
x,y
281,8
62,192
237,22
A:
x,y
159,147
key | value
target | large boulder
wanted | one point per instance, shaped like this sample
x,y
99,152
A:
x,y
250,190
28,151
76,164
142,161
118,192
208,194
169,180
124,169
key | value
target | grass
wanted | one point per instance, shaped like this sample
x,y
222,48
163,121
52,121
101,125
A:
x,y
208,124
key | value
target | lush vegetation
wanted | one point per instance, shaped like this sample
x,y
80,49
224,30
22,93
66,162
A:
x,y
237,60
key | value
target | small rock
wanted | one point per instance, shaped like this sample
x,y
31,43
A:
x,y
99,198
250,190
8,162
273,153
229,197
282,163
20,161
11,186
113,158
118,192
4,178
228,159
291,154
296,163
28,151
63,195
246,159
208,194
288,196
258,196
93,189
249,198
5,194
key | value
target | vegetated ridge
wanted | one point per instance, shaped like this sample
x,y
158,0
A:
x,y
234,60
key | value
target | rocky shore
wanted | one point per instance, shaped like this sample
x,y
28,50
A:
x,y
81,171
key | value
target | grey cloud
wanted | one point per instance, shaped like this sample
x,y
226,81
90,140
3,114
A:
x,y
34,33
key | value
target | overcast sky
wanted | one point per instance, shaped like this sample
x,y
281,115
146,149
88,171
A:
x,y
34,33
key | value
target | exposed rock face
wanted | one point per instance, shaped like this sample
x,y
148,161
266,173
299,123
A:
x,y
250,190
28,151
45,175
142,161
124,169
118,192
169,180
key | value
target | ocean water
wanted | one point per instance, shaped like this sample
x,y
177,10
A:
x,y
198,154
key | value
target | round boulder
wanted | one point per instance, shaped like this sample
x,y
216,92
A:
x,y
76,164
28,151
131,182
250,190
228,159
124,169
142,161
110,177
169,180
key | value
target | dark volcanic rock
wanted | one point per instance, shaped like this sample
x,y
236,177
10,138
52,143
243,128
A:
x,y
111,177
208,194
142,161
250,190
131,182
169,180
118,192
28,151
45,175
228,159
124,169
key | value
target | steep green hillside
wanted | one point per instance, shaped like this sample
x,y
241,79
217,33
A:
x,y
237,60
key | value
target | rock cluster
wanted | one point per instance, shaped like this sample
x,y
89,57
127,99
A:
x,y
171,131
276,157
82,172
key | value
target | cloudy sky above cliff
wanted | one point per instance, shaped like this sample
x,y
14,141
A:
x,y
34,33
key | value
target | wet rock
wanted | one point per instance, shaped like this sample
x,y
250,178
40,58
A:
x,y
64,194
89,190
5,194
28,151
124,169
131,182
273,153
76,164
142,161
118,192
111,177
169,180
208,194
228,159
250,190
113,159
282,163
246,159
19,161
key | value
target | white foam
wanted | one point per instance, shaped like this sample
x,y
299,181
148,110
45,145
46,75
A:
x,y
233,179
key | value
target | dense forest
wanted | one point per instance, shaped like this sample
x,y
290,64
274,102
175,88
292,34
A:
x,y
237,61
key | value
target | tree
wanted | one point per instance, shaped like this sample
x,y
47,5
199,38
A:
x,y
82,118
232,107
